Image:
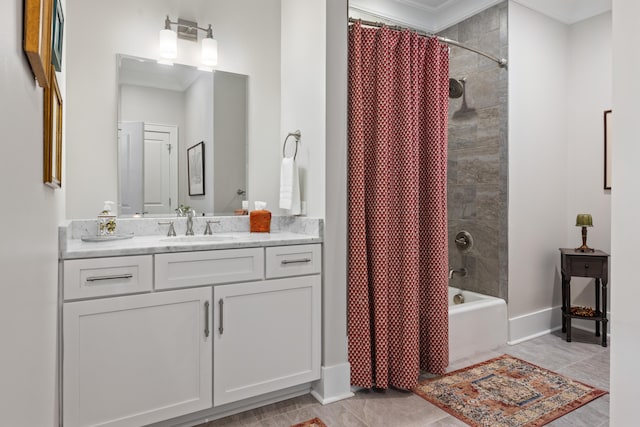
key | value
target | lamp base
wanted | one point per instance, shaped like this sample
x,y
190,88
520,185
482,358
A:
x,y
584,247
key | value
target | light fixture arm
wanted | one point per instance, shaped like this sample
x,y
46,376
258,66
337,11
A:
x,y
168,23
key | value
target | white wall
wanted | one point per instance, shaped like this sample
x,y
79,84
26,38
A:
x,y
559,87
625,203
538,155
151,105
30,215
334,291
248,33
198,119
589,94
303,89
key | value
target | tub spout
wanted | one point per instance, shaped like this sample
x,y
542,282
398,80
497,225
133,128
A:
x,y
461,271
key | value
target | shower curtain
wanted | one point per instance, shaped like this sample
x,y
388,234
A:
x,y
398,262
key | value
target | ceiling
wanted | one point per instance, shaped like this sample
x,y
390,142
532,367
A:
x,y
436,15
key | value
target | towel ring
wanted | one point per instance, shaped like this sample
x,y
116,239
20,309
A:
x,y
296,134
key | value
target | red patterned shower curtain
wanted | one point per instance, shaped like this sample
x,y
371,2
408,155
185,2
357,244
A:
x,y
398,262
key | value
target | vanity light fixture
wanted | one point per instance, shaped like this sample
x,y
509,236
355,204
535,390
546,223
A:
x,y
187,30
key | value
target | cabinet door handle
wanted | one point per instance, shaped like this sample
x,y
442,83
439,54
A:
x,y
206,318
117,276
295,261
221,304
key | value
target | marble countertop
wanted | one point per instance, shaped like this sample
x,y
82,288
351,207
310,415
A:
x,y
150,236
144,245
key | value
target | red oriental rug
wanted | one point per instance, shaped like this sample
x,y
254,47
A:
x,y
506,391
316,422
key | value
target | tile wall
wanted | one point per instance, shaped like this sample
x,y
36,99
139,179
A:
x,y
478,161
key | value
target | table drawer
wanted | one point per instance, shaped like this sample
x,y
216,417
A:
x,y
295,260
586,267
178,270
98,277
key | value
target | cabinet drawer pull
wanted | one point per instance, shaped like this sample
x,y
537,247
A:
x,y
206,318
221,304
118,276
296,261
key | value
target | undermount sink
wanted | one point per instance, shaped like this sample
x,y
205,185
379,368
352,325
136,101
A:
x,y
202,238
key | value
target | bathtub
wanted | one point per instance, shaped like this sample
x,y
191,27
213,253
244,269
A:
x,y
477,325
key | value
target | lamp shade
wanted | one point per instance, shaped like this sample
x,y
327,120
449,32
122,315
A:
x,y
168,44
584,220
209,53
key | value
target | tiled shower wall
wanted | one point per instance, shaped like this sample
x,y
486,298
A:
x,y
477,169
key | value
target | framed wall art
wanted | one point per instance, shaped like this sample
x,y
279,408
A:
x,y
37,38
52,133
607,150
57,35
195,166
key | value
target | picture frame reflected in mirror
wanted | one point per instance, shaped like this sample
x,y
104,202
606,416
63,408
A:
x,y
195,165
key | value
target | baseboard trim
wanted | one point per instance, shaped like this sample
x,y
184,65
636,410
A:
x,y
543,322
532,325
333,385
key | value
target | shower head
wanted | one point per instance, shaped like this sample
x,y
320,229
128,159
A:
x,y
464,110
456,89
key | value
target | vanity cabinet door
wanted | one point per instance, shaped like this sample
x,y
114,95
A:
x,y
135,360
266,336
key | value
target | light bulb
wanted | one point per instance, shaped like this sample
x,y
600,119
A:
x,y
168,44
209,53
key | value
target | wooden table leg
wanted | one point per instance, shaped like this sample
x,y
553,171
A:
x,y
598,308
568,308
604,312
564,306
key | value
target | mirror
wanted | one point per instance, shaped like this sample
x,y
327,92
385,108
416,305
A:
x,y
163,112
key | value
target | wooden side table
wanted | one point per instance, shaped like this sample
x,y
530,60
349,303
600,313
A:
x,y
585,264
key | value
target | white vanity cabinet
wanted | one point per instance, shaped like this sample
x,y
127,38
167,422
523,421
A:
x,y
150,337
266,336
138,359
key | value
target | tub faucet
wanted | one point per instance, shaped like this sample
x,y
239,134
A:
x,y
461,271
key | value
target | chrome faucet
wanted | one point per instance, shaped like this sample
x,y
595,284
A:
x,y
207,230
461,271
172,231
190,213
187,211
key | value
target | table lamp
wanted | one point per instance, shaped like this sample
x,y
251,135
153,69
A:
x,y
584,221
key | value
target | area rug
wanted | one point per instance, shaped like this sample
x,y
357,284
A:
x,y
316,422
506,391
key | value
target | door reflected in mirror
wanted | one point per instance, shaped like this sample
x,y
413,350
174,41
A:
x,y
163,110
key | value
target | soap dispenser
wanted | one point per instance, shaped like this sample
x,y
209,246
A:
x,y
107,220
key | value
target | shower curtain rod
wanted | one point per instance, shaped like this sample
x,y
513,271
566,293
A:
x,y
502,62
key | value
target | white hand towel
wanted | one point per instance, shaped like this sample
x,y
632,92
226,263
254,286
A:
x,y
289,186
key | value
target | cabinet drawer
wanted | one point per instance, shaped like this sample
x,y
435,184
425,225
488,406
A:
x,y
296,260
586,267
178,270
97,277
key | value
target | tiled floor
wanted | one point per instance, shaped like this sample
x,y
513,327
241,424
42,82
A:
x,y
583,360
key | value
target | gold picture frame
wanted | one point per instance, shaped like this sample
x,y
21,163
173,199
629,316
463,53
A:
x,y
52,133
38,15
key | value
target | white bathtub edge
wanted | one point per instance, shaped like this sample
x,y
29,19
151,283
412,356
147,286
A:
x,y
478,325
